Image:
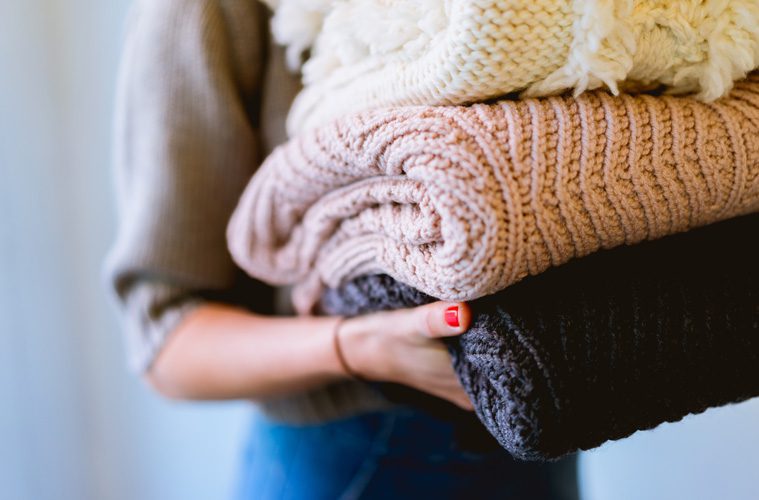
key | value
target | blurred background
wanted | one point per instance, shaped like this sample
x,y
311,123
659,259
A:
x,y
74,424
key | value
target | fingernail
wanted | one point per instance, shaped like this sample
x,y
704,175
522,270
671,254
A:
x,y
452,316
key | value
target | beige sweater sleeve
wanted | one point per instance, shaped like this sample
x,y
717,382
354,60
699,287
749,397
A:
x,y
185,145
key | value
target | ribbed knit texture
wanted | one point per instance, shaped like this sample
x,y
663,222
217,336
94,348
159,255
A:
x,y
607,345
461,202
374,53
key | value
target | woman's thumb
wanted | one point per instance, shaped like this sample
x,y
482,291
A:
x,y
442,319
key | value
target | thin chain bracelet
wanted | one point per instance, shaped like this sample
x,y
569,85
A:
x,y
339,350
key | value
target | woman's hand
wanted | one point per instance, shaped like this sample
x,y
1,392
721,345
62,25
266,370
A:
x,y
222,352
404,346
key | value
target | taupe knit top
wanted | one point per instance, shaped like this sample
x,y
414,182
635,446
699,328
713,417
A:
x,y
202,98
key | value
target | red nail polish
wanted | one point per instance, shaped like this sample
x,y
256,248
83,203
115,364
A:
x,y
452,316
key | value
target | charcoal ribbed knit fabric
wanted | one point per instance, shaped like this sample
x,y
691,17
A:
x,y
607,345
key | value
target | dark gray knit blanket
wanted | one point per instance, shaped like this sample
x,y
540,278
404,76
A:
x,y
607,345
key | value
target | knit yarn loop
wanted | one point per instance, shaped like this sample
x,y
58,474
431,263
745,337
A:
x,y
373,53
463,201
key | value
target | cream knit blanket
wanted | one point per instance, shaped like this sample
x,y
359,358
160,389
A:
x,y
373,53
460,202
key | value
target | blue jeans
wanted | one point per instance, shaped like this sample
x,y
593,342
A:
x,y
398,454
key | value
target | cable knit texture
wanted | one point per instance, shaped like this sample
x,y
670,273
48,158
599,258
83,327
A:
x,y
374,53
607,345
461,202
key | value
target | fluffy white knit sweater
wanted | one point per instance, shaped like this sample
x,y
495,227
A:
x,y
373,53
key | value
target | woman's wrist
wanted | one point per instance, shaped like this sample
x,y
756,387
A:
x,y
345,366
356,348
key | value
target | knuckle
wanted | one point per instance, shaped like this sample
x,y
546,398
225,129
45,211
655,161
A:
x,y
427,324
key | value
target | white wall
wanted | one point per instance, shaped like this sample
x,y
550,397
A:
x,y
73,424
710,456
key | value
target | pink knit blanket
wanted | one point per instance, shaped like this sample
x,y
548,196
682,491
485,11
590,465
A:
x,y
461,202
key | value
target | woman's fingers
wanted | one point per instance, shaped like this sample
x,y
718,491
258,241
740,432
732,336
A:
x,y
455,395
442,319
439,319
462,401
404,346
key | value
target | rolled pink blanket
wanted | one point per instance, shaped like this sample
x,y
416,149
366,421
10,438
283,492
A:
x,y
460,202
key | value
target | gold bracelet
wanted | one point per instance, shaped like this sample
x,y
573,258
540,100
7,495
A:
x,y
339,350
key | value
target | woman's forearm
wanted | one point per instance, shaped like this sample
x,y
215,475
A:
x,y
221,352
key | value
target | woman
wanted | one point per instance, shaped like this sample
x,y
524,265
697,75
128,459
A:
x,y
202,98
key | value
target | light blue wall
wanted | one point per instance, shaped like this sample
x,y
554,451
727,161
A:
x,y
73,424
711,456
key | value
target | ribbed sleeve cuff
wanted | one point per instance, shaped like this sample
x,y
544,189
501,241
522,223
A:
x,y
150,313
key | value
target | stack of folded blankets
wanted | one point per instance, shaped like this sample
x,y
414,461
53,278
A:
x,y
554,162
